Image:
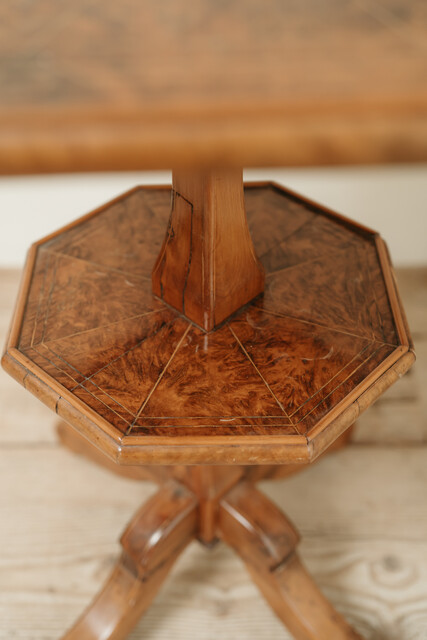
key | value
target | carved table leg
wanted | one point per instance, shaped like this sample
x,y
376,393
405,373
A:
x,y
151,544
266,541
206,503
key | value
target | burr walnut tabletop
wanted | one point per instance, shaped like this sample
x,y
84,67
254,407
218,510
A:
x,y
94,85
277,381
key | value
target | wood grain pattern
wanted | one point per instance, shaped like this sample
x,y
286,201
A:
x,y
94,87
207,268
266,541
317,348
151,543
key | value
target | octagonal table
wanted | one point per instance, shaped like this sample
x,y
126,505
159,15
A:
x,y
213,334
273,379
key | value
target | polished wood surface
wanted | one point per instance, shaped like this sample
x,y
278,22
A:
x,y
325,338
207,268
102,85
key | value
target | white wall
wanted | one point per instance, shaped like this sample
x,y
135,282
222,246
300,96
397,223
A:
x,y
392,200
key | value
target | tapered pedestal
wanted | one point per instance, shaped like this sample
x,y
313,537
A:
x,y
207,267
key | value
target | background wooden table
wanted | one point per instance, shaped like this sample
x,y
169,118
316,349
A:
x,y
100,84
365,542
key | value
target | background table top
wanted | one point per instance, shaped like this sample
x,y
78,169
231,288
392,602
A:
x,y
95,85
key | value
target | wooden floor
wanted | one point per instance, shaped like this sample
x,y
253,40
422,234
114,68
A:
x,y
365,541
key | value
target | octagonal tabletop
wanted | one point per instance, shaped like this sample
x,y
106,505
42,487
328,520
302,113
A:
x,y
101,84
277,382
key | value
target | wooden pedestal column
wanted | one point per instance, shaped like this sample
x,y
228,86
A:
x,y
207,268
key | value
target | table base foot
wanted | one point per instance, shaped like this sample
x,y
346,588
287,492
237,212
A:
x,y
151,543
266,541
205,503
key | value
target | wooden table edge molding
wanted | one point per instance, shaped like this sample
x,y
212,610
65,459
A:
x,y
203,450
56,144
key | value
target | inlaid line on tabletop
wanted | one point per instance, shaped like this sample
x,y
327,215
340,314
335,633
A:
x,y
263,379
88,378
375,299
254,429
272,274
88,218
318,324
288,236
66,363
158,187
105,393
101,390
85,378
190,256
80,385
98,265
144,404
52,288
39,300
311,221
318,256
138,344
44,356
334,376
102,326
222,421
227,418
338,386
365,274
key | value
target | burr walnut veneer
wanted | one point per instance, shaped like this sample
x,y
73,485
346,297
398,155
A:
x,y
223,348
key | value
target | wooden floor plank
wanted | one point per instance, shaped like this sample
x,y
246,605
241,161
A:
x,y
365,542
